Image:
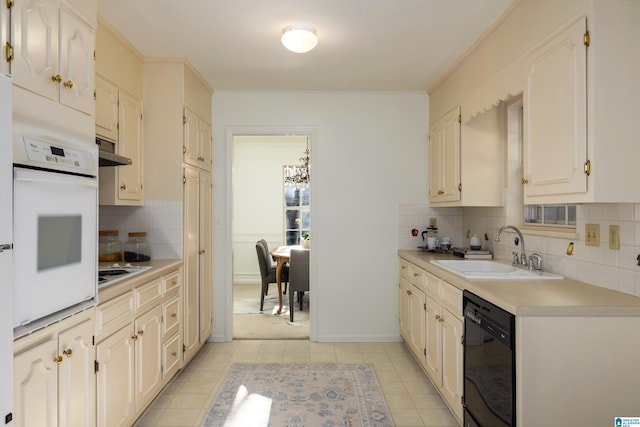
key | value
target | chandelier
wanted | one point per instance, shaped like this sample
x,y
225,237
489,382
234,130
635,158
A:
x,y
299,174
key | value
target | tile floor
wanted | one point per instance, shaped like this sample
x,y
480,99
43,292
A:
x,y
412,399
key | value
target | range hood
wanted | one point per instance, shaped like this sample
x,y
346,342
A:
x,y
108,156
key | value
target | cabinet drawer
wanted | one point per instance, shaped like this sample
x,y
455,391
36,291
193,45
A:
x,y
417,276
114,314
452,298
404,269
171,317
146,296
171,357
170,283
434,289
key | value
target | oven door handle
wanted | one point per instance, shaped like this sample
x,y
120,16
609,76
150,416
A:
x,y
27,175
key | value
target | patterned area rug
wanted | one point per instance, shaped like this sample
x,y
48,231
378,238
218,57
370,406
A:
x,y
299,395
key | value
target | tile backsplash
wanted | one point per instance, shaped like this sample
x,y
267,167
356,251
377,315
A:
x,y
162,220
599,265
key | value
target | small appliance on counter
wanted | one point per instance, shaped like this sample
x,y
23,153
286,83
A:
x,y
468,253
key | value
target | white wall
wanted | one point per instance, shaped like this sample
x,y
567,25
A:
x,y
368,155
258,203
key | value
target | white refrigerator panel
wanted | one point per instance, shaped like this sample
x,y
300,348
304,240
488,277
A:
x,y
6,261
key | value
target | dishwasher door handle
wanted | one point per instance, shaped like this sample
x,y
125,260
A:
x,y
5,247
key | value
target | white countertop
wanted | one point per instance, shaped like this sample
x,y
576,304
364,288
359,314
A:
x,y
532,297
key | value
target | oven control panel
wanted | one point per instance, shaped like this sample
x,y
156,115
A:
x,y
49,154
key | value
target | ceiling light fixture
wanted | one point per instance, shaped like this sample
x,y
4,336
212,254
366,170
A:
x,y
299,38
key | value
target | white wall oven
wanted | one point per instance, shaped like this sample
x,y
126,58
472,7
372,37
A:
x,y
55,193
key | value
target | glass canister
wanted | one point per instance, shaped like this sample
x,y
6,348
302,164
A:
x,y
137,248
109,246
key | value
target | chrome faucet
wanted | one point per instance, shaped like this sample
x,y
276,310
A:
x,y
522,261
535,262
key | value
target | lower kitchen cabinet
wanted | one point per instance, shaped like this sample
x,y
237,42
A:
x,y
444,340
431,324
138,348
54,381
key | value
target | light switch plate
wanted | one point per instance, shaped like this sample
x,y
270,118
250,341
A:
x,y
614,237
592,234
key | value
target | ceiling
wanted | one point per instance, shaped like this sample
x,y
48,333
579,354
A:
x,y
363,44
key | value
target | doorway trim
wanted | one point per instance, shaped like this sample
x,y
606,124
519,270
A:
x,y
230,132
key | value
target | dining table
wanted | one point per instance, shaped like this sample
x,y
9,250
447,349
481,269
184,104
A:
x,y
281,255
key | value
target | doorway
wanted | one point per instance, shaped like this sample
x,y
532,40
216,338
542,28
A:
x,y
260,208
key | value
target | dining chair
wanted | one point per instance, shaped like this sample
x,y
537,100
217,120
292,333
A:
x,y
298,277
268,270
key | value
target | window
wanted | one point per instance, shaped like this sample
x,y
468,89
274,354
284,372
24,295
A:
x,y
296,210
550,215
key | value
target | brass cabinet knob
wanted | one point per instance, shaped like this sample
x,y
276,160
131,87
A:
x,y
409,292
57,78
123,187
174,282
57,359
140,332
134,337
524,181
201,158
438,317
440,192
67,352
174,354
68,84
174,315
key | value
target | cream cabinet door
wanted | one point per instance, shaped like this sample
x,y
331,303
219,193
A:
x,y
555,116
35,390
77,47
205,145
76,376
205,261
148,357
191,257
404,309
106,108
417,322
4,34
130,145
190,149
35,65
444,158
433,362
452,374
115,379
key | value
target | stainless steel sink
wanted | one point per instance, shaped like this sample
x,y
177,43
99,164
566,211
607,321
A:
x,y
491,270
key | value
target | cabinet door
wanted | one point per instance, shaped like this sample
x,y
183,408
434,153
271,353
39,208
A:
x,y
204,270
205,144
555,116
190,259
417,322
444,158
115,358
77,47
106,109
404,309
35,28
130,145
191,133
433,361
76,376
35,389
452,361
4,34
148,357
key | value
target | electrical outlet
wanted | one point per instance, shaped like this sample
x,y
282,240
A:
x,y
592,234
614,237
433,222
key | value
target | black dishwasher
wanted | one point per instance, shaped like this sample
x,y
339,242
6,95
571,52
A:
x,y
489,364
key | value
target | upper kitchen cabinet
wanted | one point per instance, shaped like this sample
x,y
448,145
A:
x,y
51,54
4,34
573,62
581,110
119,116
466,159
177,125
